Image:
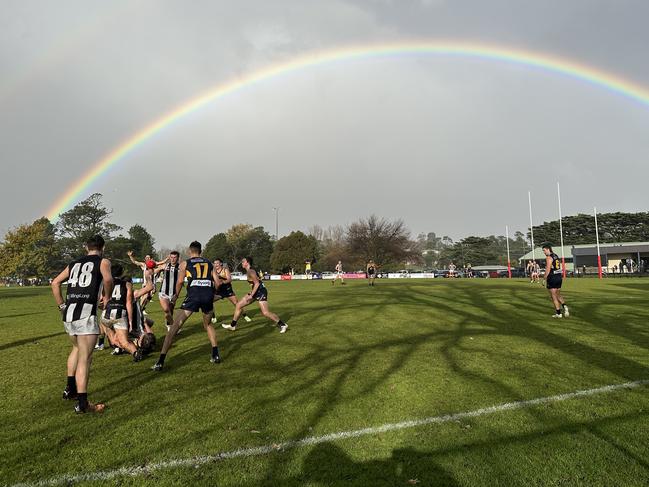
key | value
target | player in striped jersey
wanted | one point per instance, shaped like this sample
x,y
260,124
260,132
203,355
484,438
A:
x,y
90,284
118,316
224,287
167,292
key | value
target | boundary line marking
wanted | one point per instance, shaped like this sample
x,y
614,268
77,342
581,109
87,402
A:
x,y
135,471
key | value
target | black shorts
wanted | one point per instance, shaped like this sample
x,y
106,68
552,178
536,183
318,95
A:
x,y
196,303
224,291
261,294
554,281
371,275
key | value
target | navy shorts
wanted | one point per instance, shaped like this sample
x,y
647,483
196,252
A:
x,y
224,291
555,281
261,294
198,303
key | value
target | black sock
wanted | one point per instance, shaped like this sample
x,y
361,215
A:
x,y
83,400
161,359
563,305
280,323
234,323
72,384
215,351
101,341
558,311
244,314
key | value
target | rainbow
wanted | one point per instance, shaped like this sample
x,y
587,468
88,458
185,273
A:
x,y
531,59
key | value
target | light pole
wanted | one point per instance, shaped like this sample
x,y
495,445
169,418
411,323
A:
x,y
276,209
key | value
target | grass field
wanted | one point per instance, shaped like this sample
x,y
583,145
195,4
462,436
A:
x,y
354,357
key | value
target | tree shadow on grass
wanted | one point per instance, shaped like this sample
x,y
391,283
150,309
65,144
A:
x,y
328,464
321,375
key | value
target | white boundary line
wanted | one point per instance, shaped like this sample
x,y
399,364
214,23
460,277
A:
x,y
136,471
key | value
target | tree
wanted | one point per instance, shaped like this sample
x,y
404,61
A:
x,y
580,229
257,244
293,250
333,247
244,240
218,247
116,250
143,241
386,242
31,251
90,217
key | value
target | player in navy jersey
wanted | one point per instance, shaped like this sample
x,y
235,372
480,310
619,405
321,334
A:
x,y
258,293
201,279
224,287
554,280
170,273
90,285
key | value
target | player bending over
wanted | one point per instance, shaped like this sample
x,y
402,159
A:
x,y
87,277
258,293
119,316
554,279
224,287
200,296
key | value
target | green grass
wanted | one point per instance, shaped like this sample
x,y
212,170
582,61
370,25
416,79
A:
x,y
353,357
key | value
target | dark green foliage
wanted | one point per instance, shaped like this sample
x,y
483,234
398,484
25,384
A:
x,y
292,251
580,229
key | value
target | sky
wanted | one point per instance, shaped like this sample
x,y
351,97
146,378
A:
x,y
451,145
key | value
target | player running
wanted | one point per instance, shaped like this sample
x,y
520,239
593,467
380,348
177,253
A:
x,y
87,277
118,317
201,279
170,273
224,287
258,293
371,272
554,279
339,274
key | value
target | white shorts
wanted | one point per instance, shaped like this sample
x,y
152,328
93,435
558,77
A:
x,y
84,326
116,324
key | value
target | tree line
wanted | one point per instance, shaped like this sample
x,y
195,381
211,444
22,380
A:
x,y
41,249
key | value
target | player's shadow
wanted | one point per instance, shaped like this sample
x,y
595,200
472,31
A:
x,y
20,315
26,341
22,292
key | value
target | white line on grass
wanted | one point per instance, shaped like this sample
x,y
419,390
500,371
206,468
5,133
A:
x,y
136,471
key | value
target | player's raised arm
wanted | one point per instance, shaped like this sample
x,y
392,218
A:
x,y
107,280
56,287
136,262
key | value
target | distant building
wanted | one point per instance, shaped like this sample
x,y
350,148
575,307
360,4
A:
x,y
613,255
